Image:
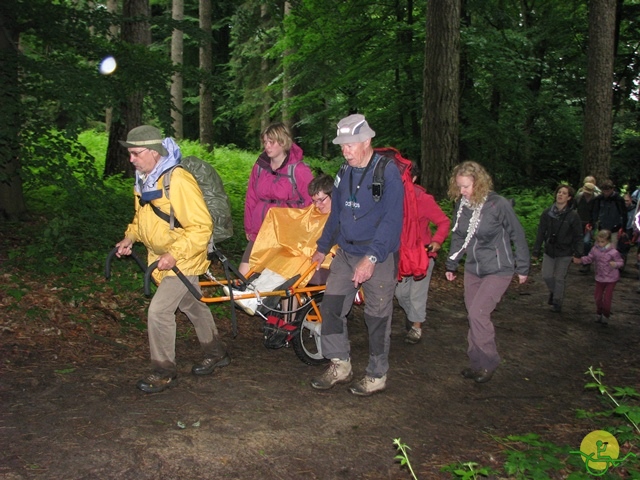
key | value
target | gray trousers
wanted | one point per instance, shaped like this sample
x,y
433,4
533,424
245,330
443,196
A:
x,y
481,296
554,274
413,295
171,295
378,308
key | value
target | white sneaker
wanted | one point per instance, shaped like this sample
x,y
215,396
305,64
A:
x,y
249,305
368,386
338,371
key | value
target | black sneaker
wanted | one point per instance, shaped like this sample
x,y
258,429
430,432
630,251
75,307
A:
x,y
157,382
550,301
208,365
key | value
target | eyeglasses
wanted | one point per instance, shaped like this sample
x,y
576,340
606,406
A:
x,y
137,154
320,201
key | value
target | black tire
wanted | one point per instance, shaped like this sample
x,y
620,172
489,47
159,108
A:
x,y
306,341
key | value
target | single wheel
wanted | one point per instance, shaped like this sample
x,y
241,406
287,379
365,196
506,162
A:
x,y
306,341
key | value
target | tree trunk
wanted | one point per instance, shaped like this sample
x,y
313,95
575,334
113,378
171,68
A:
x,y
112,7
206,65
12,205
441,95
286,77
598,117
265,118
128,115
177,42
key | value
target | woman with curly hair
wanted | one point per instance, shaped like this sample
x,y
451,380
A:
x,y
485,226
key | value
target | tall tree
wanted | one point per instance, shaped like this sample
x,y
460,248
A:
x,y
206,67
177,54
112,7
441,94
128,115
598,118
12,205
287,89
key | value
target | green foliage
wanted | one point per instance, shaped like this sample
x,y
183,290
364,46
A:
x,y
529,205
403,457
467,471
527,456
620,398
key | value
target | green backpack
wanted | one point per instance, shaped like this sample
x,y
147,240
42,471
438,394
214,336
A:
x,y
213,193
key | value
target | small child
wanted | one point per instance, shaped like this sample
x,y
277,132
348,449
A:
x,y
607,262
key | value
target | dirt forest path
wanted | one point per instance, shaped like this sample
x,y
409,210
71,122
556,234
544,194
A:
x,y
69,408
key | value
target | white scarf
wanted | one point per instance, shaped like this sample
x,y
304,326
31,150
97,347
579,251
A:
x,y
473,223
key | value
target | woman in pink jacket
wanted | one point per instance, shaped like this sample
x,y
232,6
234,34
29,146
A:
x,y
279,179
608,263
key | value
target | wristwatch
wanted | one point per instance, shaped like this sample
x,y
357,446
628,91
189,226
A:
x,y
373,259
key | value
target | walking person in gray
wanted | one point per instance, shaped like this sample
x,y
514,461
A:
x,y
367,232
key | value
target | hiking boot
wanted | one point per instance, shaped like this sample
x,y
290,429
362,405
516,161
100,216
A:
x,y
208,365
598,318
413,336
483,375
338,371
368,386
157,382
556,308
469,373
550,301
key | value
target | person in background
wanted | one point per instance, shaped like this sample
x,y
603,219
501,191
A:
x,y
367,233
609,212
608,263
592,180
279,178
560,230
184,247
625,236
485,228
584,204
413,294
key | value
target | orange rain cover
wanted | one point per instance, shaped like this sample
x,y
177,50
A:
x,y
287,240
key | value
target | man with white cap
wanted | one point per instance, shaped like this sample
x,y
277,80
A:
x,y
365,222
185,247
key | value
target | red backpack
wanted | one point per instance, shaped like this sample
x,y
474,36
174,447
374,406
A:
x,y
413,256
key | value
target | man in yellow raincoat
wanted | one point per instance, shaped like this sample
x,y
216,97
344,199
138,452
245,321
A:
x,y
185,246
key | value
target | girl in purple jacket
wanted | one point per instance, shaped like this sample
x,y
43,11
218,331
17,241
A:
x,y
608,263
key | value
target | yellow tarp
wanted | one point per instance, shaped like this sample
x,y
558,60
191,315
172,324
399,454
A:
x,y
287,240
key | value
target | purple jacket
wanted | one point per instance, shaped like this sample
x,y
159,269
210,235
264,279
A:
x,y
267,189
605,273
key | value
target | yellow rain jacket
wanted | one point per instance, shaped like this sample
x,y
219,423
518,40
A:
x,y
287,240
188,245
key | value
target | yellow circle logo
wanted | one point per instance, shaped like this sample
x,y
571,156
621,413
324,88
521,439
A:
x,y
599,450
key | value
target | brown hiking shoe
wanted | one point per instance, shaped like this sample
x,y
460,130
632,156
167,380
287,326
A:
x,y
157,382
208,365
338,371
368,386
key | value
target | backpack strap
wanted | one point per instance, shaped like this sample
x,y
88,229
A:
x,y
377,186
291,175
170,217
